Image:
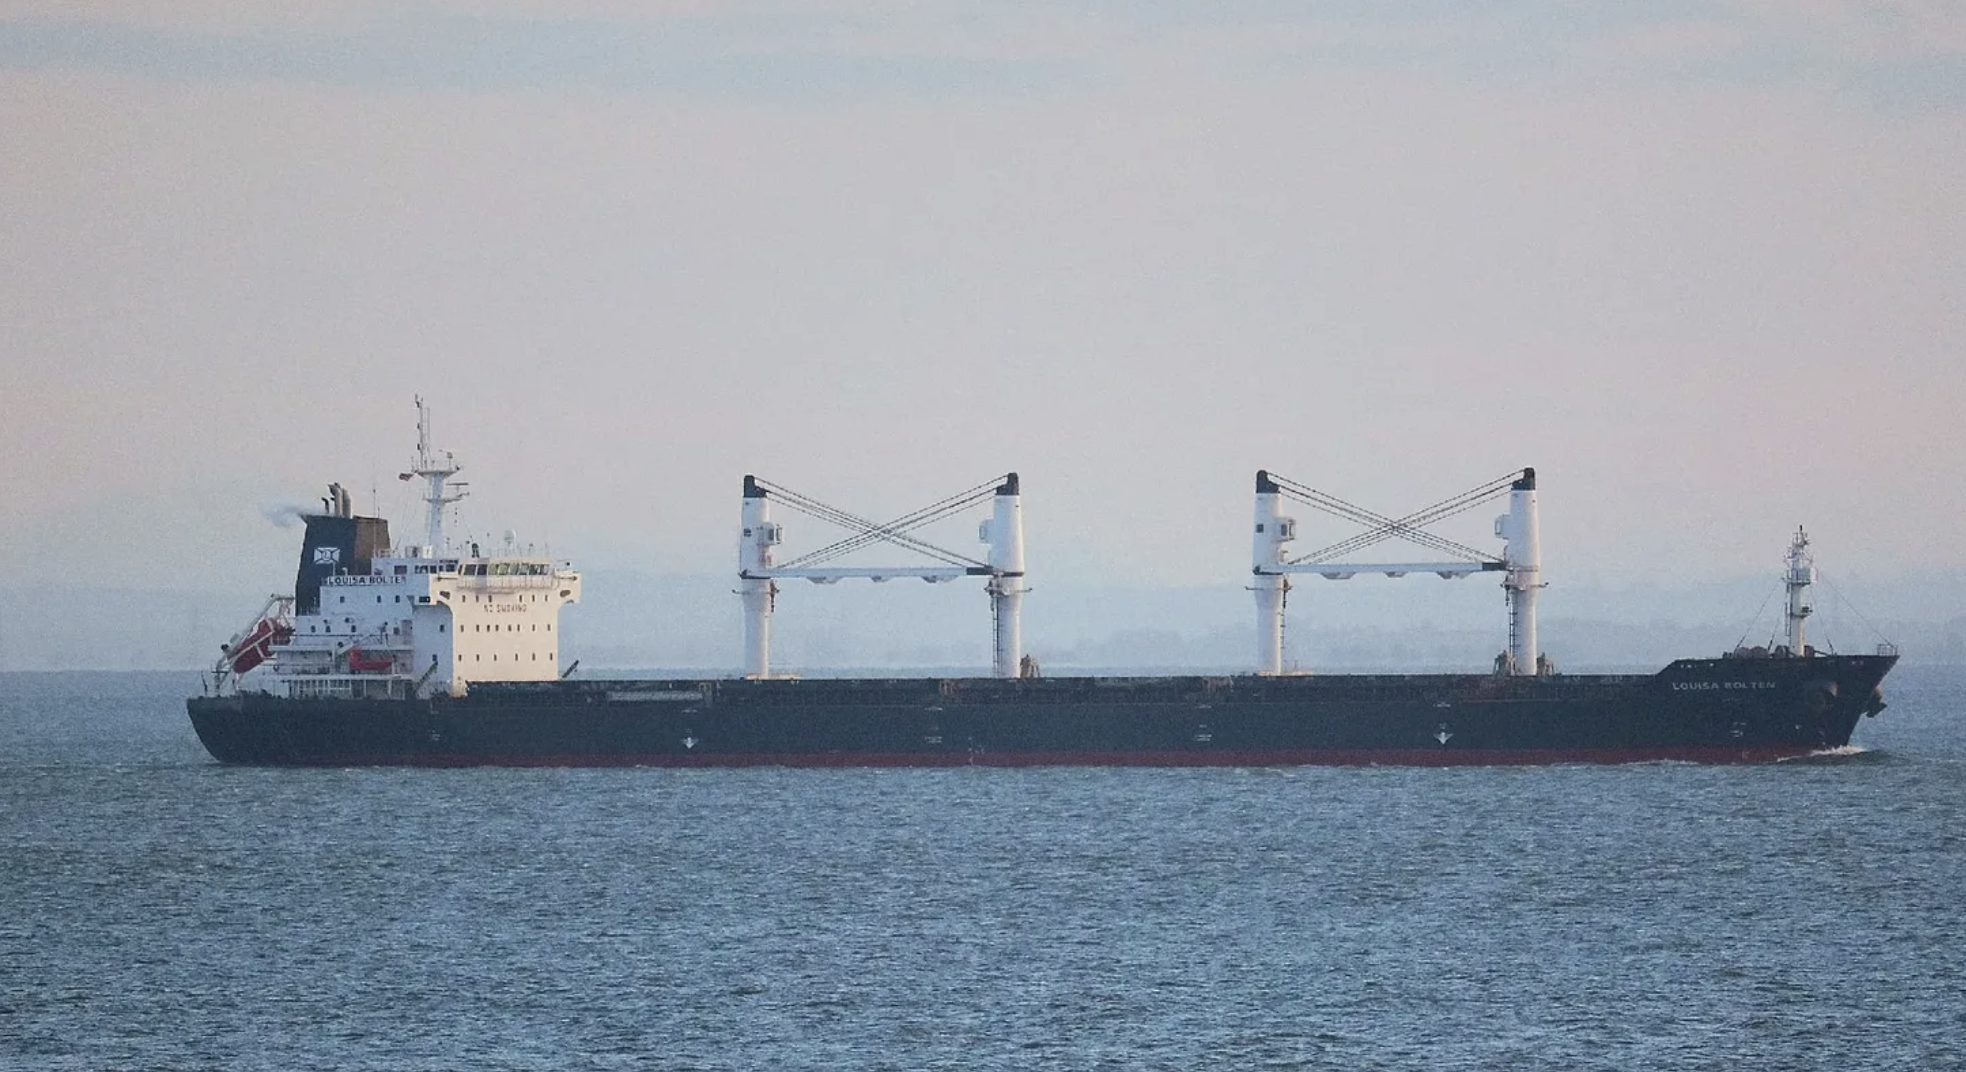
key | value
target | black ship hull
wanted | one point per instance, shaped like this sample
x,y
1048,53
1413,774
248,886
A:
x,y
1728,710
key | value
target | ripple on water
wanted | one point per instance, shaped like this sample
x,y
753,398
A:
x,y
179,914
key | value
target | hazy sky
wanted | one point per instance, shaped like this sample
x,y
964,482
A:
x,y
1703,264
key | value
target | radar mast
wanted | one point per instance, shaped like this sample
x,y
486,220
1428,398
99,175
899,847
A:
x,y
435,467
1801,574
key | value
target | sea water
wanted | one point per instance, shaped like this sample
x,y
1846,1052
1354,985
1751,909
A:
x,y
158,910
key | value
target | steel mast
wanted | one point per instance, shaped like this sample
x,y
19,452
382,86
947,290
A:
x,y
1522,560
1801,574
754,577
1004,533
1272,587
435,467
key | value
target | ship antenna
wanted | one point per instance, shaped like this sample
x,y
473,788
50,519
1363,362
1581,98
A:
x,y
435,467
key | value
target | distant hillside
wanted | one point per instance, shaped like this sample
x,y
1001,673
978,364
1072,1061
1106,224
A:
x,y
635,619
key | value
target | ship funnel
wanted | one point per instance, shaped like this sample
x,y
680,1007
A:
x,y
333,545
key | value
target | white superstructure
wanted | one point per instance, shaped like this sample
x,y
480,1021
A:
x,y
416,625
370,620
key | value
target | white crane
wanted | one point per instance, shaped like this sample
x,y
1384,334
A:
x,y
1520,562
758,571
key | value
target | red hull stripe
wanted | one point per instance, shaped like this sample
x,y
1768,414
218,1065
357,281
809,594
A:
x,y
1374,758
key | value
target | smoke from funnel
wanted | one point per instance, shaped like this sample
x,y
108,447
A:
x,y
283,514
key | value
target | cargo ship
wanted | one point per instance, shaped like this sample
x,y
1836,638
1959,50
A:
x,y
435,655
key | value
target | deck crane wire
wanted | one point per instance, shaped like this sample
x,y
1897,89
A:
x,y
894,531
1756,619
1845,604
1380,527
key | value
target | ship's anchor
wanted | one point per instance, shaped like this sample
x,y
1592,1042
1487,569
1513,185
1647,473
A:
x,y
1443,736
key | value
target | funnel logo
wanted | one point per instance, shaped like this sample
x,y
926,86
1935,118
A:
x,y
327,556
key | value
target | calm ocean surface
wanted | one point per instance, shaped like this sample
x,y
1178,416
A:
x,y
160,911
